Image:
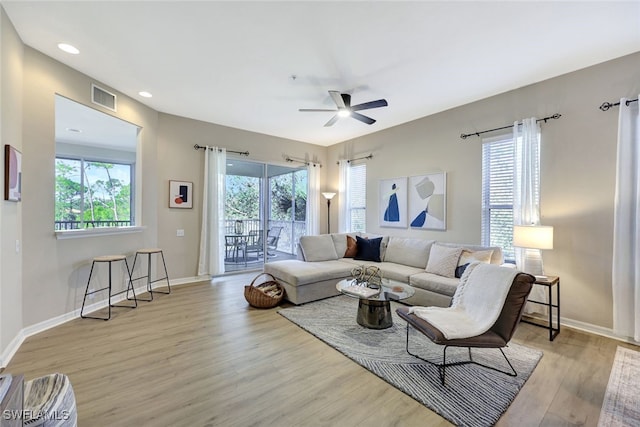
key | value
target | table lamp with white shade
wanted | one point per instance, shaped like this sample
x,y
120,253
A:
x,y
533,237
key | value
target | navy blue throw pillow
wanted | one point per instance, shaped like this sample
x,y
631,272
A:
x,y
368,249
460,269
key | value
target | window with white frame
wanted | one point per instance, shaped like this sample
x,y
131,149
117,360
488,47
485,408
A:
x,y
497,194
92,194
358,197
94,168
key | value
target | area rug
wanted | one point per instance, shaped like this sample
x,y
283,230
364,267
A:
x,y
621,405
472,395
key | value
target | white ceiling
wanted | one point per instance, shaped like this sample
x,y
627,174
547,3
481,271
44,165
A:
x,y
232,63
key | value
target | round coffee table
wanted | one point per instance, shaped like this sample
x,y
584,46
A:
x,y
374,305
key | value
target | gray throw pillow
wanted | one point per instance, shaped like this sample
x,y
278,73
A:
x,y
318,248
443,261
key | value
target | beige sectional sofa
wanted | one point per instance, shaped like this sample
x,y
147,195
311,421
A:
x,y
321,264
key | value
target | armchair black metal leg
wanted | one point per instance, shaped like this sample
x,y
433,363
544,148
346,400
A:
x,y
442,366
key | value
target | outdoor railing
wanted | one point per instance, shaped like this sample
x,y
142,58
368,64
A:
x,y
78,225
289,236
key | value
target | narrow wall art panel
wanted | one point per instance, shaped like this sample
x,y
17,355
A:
x,y
393,202
12,174
428,201
180,194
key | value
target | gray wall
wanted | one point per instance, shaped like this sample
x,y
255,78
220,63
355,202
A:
x,y
11,53
56,271
178,160
577,181
46,279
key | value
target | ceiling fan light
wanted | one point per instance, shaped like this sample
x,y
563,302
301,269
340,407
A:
x,y
344,113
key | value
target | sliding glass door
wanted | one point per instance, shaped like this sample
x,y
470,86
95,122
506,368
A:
x,y
265,213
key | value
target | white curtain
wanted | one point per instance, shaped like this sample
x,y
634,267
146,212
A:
x,y
626,225
344,216
526,200
211,260
526,192
313,199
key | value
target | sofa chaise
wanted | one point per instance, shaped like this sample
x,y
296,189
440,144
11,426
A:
x,y
432,268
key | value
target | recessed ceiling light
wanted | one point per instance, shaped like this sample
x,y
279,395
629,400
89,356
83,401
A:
x,y
145,94
68,48
74,130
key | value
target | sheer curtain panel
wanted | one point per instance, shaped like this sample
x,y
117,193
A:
x,y
626,225
344,203
526,200
313,199
526,192
211,259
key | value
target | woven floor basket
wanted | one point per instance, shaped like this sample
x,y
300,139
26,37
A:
x,y
265,295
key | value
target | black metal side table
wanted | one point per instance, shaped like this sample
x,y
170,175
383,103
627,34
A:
x,y
549,282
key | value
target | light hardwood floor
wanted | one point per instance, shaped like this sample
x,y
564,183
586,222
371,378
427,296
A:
x,y
202,357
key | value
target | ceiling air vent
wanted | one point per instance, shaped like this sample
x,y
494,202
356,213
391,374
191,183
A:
x,y
103,97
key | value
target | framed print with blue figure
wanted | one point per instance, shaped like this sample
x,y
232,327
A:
x,y
428,201
393,202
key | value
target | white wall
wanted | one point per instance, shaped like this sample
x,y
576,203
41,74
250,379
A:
x,y
578,172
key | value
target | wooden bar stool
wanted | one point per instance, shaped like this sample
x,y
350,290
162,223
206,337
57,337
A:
x,y
149,252
109,259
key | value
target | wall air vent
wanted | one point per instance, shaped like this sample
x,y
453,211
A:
x,y
103,97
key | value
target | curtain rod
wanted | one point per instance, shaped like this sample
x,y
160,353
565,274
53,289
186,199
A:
x,y
370,156
304,162
242,153
466,135
606,105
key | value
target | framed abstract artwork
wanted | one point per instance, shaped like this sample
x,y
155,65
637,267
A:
x,y
181,194
428,201
12,174
392,201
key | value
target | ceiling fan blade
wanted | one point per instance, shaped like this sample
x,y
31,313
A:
x,y
332,121
372,104
362,118
337,98
346,98
315,110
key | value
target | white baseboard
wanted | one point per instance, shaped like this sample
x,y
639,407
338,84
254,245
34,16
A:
x,y
596,330
8,353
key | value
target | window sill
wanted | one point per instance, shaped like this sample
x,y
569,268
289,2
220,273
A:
x,y
93,232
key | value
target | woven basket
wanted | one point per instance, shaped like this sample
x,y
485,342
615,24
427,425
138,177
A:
x,y
265,295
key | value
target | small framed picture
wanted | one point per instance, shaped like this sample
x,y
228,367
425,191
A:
x,y
12,174
181,194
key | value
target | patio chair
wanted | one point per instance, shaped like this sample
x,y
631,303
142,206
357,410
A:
x,y
273,235
255,243
482,285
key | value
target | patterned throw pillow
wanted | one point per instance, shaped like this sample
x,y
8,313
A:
x,y
443,260
467,257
